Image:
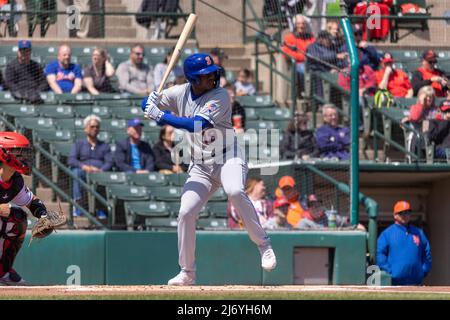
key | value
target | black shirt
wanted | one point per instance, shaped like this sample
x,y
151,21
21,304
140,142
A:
x,y
27,77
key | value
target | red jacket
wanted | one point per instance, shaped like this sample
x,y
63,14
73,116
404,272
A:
x,y
296,46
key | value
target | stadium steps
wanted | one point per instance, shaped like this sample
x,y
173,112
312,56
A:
x,y
118,27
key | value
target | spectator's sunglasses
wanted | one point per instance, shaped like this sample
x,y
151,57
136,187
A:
x,y
139,53
405,213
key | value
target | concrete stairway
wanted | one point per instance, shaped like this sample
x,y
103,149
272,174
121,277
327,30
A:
x,y
118,26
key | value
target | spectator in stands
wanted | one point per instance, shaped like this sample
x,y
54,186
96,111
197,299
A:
x,y
393,80
369,54
134,75
287,190
256,191
279,218
243,84
429,75
403,250
88,155
25,77
322,56
303,146
337,38
132,154
62,75
162,151
332,139
439,132
425,109
317,217
237,110
96,77
367,79
219,56
176,75
296,44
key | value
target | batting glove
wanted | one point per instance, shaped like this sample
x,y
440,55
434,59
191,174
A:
x,y
153,112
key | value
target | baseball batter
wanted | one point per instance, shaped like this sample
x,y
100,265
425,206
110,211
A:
x,y
203,109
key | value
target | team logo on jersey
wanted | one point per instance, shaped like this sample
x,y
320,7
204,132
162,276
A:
x,y
416,240
212,106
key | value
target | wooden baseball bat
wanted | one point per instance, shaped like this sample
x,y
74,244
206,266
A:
x,y
190,23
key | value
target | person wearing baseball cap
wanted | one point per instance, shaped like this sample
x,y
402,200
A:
x,y
403,250
439,132
391,79
429,75
25,77
132,154
279,218
287,190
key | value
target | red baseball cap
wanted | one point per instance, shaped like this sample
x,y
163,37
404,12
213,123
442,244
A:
x,y
401,206
286,181
387,58
445,106
280,202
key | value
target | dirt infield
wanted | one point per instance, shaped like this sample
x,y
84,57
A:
x,y
223,292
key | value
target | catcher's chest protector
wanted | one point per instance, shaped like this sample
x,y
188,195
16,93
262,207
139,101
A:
x,y
10,190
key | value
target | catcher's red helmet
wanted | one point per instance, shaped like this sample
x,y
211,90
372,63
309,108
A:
x,y
16,152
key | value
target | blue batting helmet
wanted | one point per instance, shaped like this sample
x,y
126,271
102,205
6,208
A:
x,y
200,63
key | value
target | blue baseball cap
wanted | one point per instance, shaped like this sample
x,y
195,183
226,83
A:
x,y
135,122
24,44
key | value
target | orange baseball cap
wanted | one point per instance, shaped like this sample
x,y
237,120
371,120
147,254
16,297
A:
x,y
401,206
286,181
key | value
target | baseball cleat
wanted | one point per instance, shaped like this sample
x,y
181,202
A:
x,y
12,278
268,260
182,279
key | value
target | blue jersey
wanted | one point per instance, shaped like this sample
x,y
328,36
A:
x,y
404,253
64,77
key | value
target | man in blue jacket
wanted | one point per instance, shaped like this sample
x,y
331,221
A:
x,y
403,250
132,154
333,140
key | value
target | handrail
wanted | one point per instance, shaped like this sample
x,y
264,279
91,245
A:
x,y
68,172
370,205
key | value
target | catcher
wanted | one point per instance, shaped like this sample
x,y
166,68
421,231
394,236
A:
x,y
16,157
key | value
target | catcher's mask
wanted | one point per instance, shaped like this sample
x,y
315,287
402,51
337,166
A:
x,y
16,152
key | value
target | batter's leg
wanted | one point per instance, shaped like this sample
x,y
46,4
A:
x,y
233,176
196,192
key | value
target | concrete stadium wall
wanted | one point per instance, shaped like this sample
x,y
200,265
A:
x,y
140,258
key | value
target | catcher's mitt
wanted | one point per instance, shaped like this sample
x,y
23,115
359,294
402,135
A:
x,y
47,224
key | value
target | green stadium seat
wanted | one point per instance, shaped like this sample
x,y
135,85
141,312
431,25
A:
x,y
212,223
106,178
34,123
251,114
53,135
83,111
256,101
48,97
45,50
115,103
3,62
166,193
152,179
174,208
161,224
6,97
411,66
104,136
68,98
275,114
84,61
15,111
405,55
127,112
113,124
69,124
219,195
177,179
135,211
444,65
230,76
117,193
443,55
421,23
82,51
218,209
56,111
405,103
260,125
150,136
108,96
8,50
118,135
60,149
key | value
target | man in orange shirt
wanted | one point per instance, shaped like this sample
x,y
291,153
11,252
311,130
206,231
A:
x,y
296,43
286,189
429,75
395,81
